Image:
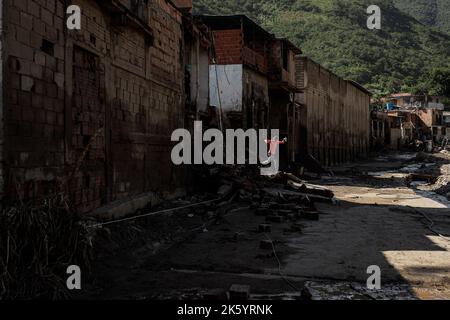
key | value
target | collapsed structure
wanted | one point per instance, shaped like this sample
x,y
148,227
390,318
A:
x,y
90,112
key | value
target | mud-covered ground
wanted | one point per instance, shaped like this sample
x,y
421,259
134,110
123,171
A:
x,y
384,216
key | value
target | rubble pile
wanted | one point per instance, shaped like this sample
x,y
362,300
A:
x,y
283,197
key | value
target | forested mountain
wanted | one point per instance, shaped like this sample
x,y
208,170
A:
x,y
434,13
334,33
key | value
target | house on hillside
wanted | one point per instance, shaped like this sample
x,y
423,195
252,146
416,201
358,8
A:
x,y
408,100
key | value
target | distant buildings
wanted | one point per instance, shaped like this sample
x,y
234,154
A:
x,y
408,118
408,100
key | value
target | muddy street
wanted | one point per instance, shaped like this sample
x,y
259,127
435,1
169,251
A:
x,y
382,214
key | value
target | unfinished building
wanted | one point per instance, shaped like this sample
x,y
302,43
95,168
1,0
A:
x,y
334,116
90,111
239,86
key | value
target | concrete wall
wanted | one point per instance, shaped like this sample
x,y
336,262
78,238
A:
x,y
91,111
335,116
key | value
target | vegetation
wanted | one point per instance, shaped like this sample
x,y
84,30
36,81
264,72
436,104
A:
x,y
430,12
435,82
334,33
38,241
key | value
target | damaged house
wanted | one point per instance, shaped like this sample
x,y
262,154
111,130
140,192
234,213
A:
x,y
239,84
284,112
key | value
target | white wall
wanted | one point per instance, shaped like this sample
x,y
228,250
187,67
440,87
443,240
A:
x,y
225,81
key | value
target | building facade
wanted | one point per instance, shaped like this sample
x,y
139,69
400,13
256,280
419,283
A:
x,y
90,111
334,115
239,85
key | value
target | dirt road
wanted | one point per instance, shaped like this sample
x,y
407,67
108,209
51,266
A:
x,y
380,218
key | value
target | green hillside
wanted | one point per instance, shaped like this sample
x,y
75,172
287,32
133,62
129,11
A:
x,y
434,13
334,33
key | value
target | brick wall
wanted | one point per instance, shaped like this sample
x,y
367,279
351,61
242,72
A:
x,y
229,44
94,107
34,115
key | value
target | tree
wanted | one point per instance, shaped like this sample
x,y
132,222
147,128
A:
x,y
436,82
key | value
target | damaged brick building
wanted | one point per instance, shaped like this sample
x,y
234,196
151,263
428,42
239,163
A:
x,y
90,110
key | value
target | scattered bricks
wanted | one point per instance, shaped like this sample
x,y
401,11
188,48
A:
x,y
238,236
297,227
284,213
239,292
215,295
273,205
263,212
310,215
275,218
292,216
266,244
265,228
287,206
256,197
254,205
